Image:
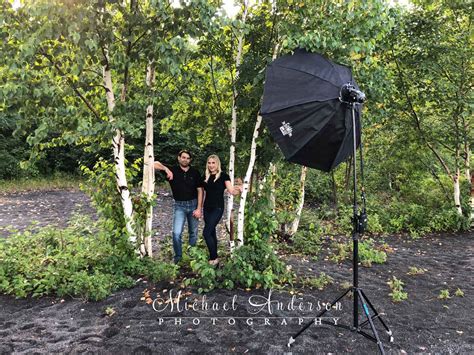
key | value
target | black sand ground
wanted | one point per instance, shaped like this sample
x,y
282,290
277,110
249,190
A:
x,y
421,324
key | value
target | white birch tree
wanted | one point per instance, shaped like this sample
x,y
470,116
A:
x,y
246,183
148,186
299,209
233,126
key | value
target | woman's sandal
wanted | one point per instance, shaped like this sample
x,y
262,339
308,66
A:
x,y
214,263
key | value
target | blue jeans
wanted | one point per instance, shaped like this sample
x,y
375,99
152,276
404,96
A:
x,y
183,210
212,216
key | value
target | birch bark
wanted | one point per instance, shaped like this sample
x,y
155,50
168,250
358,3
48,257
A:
x,y
118,144
457,191
299,210
248,175
233,133
245,186
148,186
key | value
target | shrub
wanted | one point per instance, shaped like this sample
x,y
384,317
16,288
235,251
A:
x,y
319,282
397,293
252,265
307,242
368,253
413,270
75,261
444,294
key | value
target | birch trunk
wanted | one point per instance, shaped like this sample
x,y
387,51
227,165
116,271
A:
x,y
334,192
253,155
472,198
470,179
296,221
148,185
245,186
467,164
233,134
272,171
457,192
118,144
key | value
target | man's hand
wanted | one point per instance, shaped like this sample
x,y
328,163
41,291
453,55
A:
x,y
169,174
197,213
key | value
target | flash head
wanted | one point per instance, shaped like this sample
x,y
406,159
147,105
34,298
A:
x,y
350,94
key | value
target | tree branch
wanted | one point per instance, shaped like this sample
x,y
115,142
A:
x,y
414,115
71,83
215,87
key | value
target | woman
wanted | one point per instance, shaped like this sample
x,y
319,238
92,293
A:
x,y
215,183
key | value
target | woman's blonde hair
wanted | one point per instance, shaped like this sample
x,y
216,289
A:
x,y
219,170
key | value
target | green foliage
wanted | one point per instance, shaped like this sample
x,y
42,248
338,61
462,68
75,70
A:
x,y
287,192
368,253
12,151
109,311
257,264
319,282
419,208
253,265
306,241
77,261
319,188
101,186
260,222
397,293
344,285
206,276
444,294
340,252
413,270
417,219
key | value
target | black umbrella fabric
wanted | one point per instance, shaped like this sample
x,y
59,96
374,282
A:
x,y
303,112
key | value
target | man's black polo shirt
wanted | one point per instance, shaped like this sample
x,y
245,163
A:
x,y
185,183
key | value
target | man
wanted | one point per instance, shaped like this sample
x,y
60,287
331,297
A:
x,y
186,186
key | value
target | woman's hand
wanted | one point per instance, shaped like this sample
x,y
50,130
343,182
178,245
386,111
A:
x,y
233,190
236,190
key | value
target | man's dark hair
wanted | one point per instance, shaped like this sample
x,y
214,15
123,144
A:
x,y
185,151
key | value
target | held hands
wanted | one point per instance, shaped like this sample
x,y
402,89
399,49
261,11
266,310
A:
x,y
197,213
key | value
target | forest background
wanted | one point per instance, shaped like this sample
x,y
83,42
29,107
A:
x,y
95,90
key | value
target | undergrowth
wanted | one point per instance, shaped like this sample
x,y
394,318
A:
x,y
75,261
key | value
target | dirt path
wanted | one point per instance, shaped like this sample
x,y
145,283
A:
x,y
421,324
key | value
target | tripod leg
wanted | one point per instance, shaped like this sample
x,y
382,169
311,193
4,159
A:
x,y
389,332
369,318
307,325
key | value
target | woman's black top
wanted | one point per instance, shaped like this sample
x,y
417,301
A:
x,y
215,191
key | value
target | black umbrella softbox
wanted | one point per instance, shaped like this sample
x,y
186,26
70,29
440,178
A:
x,y
303,110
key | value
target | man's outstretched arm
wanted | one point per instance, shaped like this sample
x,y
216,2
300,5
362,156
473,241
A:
x,y
159,166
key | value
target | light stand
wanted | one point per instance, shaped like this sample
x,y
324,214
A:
x,y
351,96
